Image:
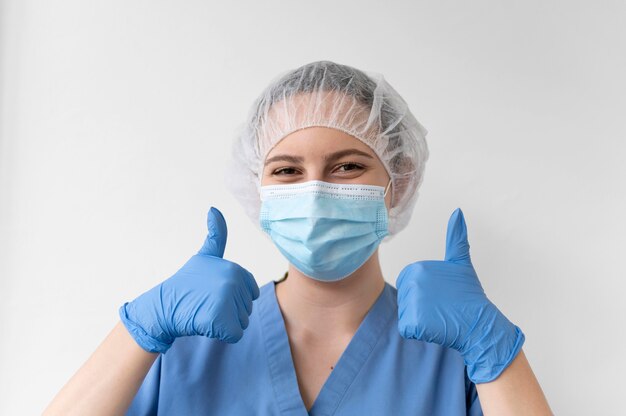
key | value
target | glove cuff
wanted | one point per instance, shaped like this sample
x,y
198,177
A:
x,y
483,370
140,336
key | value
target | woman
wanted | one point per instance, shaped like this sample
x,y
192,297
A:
x,y
328,166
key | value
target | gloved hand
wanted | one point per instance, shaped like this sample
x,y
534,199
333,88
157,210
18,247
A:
x,y
208,296
443,302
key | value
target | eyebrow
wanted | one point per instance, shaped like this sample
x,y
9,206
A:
x,y
328,158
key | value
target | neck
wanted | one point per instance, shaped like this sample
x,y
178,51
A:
x,y
319,309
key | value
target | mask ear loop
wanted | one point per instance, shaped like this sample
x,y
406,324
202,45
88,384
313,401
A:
x,y
387,188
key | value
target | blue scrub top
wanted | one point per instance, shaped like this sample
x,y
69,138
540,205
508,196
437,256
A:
x,y
379,373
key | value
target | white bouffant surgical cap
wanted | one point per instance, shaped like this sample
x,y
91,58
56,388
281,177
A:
x,y
328,94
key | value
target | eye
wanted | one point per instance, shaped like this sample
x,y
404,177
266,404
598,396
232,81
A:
x,y
287,171
351,165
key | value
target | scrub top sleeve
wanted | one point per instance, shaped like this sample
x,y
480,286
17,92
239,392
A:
x,y
471,398
146,400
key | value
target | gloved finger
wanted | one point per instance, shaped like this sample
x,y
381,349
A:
x,y
233,335
215,242
408,271
251,284
242,313
406,305
240,298
245,300
457,246
407,325
233,329
244,319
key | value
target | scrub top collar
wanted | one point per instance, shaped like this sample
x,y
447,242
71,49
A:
x,y
354,357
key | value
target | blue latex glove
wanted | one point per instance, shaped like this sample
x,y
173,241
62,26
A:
x,y
443,302
208,296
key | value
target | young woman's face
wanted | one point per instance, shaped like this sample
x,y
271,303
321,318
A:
x,y
325,154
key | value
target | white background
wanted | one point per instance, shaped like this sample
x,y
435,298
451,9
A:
x,y
117,118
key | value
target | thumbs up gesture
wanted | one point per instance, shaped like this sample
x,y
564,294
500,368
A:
x,y
443,302
208,296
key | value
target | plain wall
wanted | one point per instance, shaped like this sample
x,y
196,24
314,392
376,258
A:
x,y
117,118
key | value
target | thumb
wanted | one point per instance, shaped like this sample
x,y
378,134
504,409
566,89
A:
x,y
457,246
215,242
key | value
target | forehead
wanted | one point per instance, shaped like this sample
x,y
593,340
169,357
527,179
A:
x,y
317,141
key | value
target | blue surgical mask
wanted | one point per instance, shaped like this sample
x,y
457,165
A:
x,y
326,230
